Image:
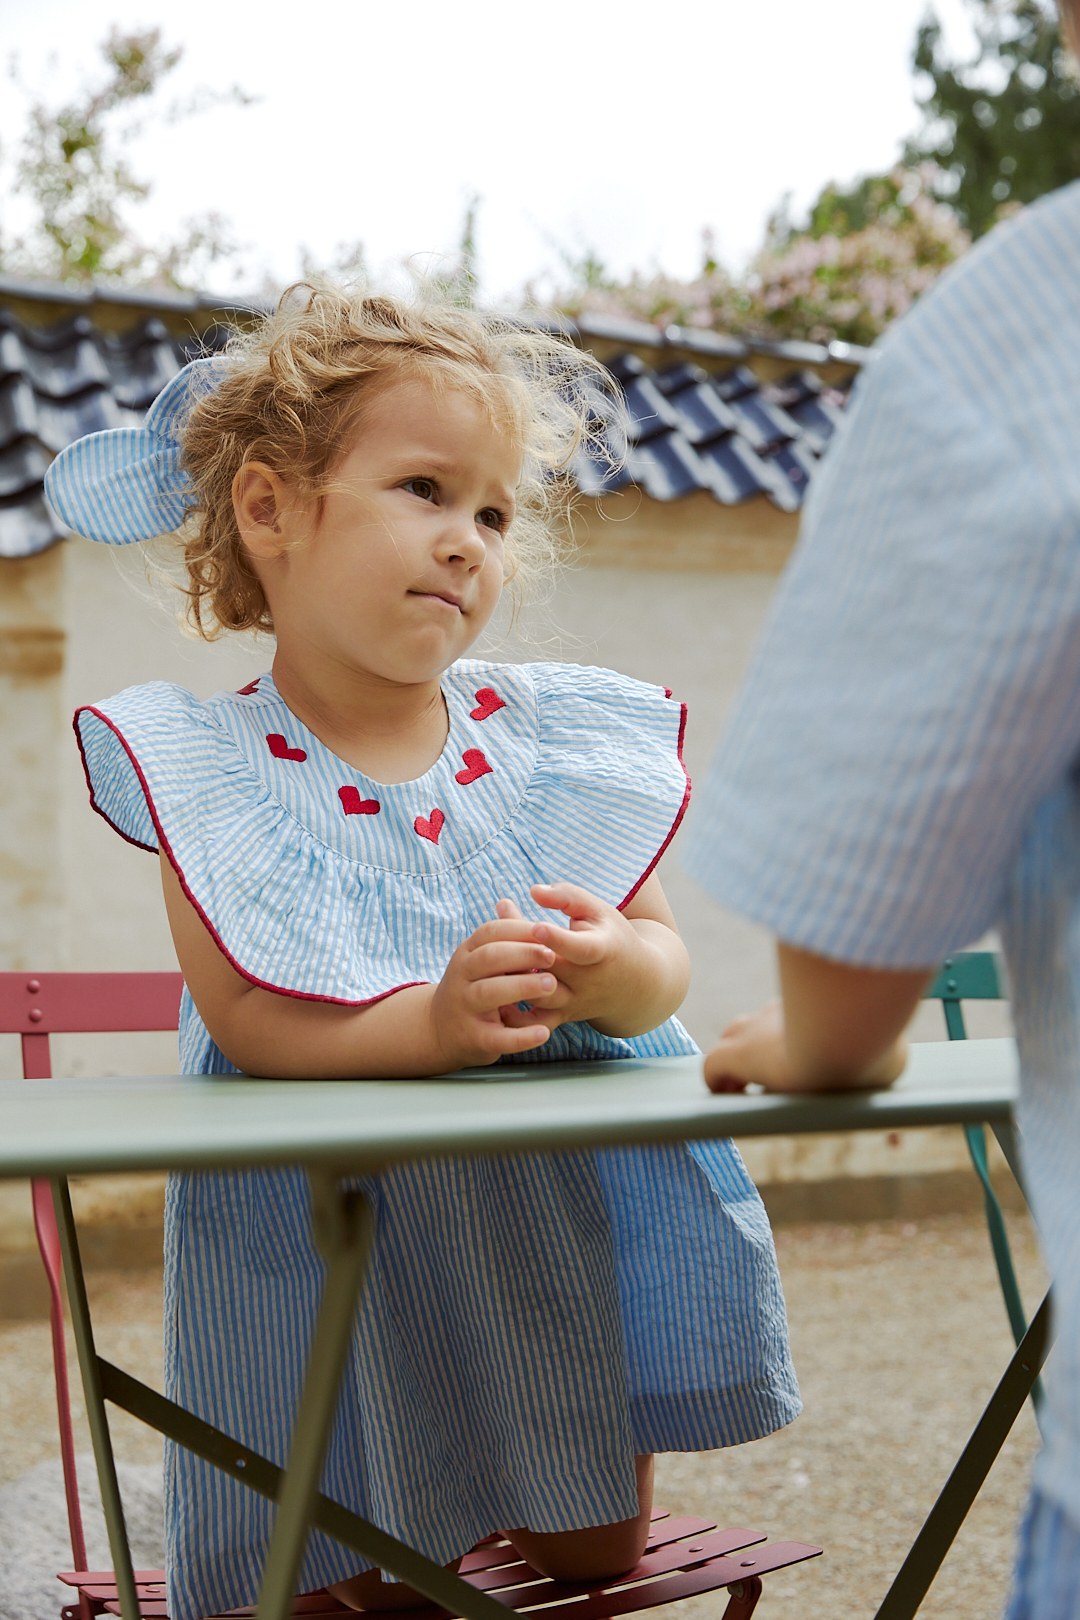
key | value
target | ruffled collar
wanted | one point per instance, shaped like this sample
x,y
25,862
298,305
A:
x,y
438,819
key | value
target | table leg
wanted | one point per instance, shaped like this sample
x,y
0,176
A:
x,y
916,1574
342,1223
90,1366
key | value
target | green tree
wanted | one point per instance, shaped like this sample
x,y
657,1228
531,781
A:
x,y
1003,127
69,170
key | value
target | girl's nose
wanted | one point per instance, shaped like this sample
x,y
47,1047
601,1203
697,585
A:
x,y
460,539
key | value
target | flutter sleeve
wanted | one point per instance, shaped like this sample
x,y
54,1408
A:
x,y
610,786
289,913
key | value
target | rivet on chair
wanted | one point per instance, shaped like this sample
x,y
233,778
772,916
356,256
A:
x,y
33,986
35,1015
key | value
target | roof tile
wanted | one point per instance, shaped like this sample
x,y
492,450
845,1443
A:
x,y
27,527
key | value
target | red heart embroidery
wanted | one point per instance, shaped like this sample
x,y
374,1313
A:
x,y
475,766
252,686
280,748
488,703
430,829
354,805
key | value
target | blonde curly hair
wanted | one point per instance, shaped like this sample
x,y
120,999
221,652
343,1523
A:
x,y
292,392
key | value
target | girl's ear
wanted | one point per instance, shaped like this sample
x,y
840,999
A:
x,y
260,499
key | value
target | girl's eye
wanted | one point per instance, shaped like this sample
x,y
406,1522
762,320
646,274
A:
x,y
492,518
423,487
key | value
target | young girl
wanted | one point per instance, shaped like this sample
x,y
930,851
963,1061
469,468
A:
x,y
383,858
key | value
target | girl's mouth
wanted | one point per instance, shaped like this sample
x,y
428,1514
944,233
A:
x,y
440,596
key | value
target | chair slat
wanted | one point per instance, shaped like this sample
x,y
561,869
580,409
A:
x,y
968,976
83,1003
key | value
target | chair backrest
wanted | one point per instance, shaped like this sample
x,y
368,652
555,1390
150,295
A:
x,y
36,1006
968,976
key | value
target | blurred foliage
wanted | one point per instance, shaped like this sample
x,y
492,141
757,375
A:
x,y
72,178
1004,127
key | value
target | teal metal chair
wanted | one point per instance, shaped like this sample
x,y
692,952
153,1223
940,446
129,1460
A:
x,y
975,976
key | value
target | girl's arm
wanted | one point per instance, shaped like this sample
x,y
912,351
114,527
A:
x,y
624,971
425,1029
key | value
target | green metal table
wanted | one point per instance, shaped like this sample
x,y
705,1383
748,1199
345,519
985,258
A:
x,y
338,1129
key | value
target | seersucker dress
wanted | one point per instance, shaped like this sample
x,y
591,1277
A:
x,y
529,1323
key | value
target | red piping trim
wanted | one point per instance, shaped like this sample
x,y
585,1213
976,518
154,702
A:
x,y
678,815
88,708
260,984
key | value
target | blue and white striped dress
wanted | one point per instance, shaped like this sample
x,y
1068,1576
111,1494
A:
x,y
528,1324
903,769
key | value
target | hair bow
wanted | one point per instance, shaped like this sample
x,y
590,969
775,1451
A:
x,y
127,484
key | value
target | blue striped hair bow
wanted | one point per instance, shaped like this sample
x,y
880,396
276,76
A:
x,y
127,484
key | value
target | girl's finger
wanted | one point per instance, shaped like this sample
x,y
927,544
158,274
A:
x,y
582,948
515,1017
488,994
578,904
507,910
500,957
523,1039
501,928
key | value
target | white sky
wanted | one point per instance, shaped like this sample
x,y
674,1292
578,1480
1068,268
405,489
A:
x,y
625,128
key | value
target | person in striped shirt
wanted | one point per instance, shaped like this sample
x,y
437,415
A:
x,y
387,857
902,772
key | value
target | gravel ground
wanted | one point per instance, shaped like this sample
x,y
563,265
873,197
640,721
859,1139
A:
x,y
899,1336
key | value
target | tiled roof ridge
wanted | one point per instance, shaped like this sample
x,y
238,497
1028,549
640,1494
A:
x,y
731,418
161,301
699,340
703,341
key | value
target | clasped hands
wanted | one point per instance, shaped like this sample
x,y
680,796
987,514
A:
x,y
514,980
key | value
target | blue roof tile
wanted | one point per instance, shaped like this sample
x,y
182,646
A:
x,y
786,467
699,410
736,473
666,467
763,424
27,526
593,477
22,468
650,413
740,380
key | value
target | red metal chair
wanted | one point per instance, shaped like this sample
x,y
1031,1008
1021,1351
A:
x,y
685,1556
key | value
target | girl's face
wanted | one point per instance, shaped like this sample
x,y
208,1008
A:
x,y
398,573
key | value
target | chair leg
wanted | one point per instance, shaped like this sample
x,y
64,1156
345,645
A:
x,y
916,1574
742,1599
96,1416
